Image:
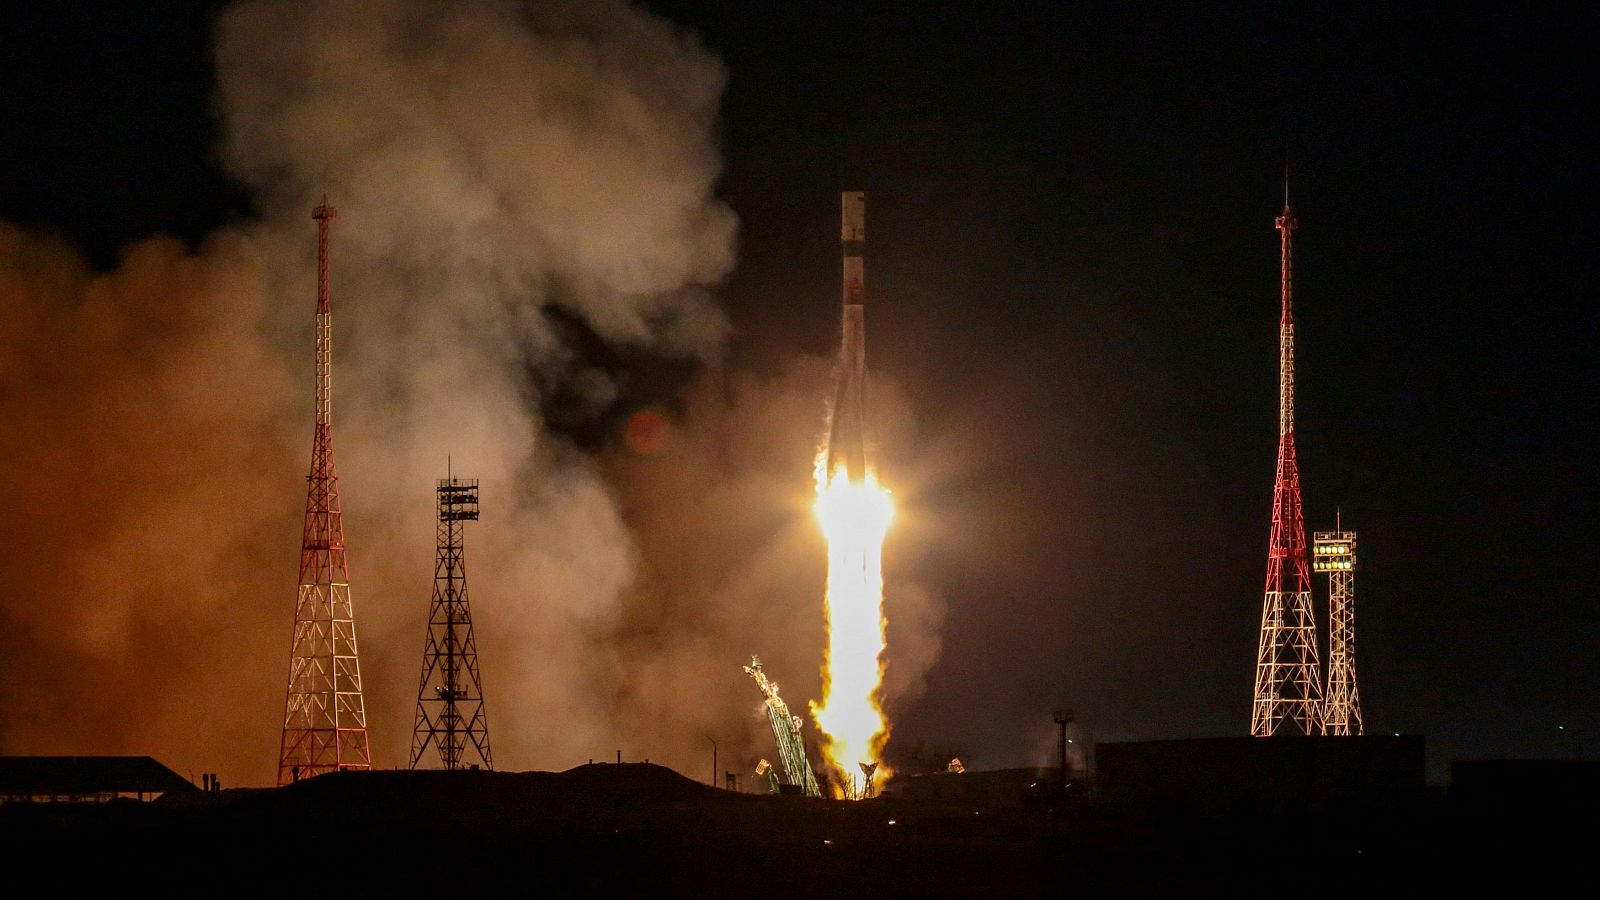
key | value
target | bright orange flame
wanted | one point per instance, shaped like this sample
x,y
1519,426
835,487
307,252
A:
x,y
855,518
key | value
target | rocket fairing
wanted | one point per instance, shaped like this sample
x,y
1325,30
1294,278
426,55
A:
x,y
850,446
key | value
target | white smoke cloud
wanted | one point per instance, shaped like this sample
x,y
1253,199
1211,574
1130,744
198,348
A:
x,y
489,160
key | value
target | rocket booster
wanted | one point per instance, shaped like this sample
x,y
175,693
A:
x,y
850,447
853,237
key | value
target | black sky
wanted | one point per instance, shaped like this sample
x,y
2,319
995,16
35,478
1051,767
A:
x,y
1072,257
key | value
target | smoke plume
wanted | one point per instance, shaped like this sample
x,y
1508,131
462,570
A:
x,y
491,161
496,166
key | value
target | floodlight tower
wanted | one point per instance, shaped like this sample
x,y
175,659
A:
x,y
1288,691
450,711
1334,552
325,718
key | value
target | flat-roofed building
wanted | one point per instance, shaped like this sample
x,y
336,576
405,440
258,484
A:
x,y
86,779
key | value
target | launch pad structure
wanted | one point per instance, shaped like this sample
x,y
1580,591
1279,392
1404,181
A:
x,y
786,728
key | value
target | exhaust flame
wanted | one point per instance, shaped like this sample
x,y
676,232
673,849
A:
x,y
855,518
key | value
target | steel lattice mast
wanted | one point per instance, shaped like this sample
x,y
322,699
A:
x,y
1334,552
325,718
786,728
1288,675
451,715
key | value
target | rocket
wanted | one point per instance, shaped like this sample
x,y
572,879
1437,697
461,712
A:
x,y
850,447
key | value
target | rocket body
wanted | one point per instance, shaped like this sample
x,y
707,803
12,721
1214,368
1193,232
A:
x,y
850,447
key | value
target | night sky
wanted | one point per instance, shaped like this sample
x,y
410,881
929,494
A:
x,y
1072,279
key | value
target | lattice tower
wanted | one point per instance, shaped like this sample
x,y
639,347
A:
x,y
1334,552
451,716
1288,688
325,718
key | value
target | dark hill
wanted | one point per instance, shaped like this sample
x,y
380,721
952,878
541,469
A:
x,y
642,830
632,782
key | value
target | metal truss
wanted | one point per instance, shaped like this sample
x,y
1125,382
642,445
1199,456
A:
x,y
1334,552
451,716
1288,688
325,719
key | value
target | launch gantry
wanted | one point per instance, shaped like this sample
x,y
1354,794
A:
x,y
786,728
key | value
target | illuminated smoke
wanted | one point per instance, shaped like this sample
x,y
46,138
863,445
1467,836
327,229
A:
x,y
489,160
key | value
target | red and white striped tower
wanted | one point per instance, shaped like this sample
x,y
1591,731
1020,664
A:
x,y
325,718
1288,694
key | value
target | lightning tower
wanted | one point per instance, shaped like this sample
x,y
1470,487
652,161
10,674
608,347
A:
x,y
325,718
1334,552
1288,691
450,711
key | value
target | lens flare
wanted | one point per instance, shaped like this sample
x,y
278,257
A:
x,y
855,518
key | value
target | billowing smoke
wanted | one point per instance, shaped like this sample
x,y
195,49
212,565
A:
x,y
494,164
153,452
491,161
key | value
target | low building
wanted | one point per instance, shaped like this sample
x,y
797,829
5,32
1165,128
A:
x,y
86,779
1255,774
